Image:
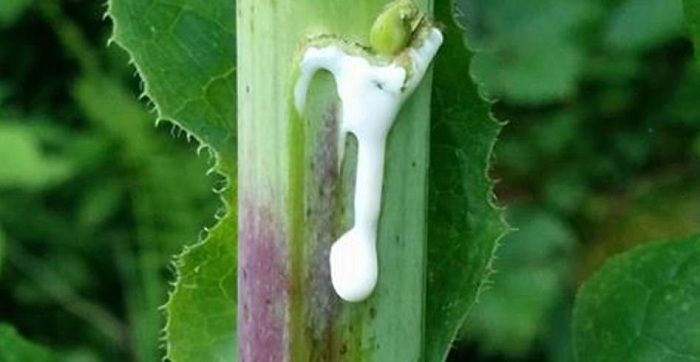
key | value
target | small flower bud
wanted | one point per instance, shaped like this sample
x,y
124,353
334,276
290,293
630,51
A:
x,y
393,29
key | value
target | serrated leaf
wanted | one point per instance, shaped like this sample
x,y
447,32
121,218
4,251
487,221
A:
x,y
14,348
463,225
202,307
184,52
643,305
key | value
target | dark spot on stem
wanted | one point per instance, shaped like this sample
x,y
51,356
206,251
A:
x,y
322,206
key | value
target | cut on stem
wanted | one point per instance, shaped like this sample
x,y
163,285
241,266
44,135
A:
x,y
294,201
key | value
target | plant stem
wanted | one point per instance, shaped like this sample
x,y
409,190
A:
x,y
294,200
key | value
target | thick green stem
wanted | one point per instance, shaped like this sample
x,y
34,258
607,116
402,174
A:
x,y
295,201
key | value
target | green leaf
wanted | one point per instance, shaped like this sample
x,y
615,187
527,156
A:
x,y
184,52
14,348
463,225
643,305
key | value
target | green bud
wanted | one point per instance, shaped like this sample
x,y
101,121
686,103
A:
x,y
393,29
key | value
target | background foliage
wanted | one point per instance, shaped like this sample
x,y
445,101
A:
x,y
95,199
601,154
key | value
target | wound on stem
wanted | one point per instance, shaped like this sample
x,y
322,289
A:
x,y
372,93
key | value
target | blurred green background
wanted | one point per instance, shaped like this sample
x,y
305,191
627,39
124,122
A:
x,y
601,153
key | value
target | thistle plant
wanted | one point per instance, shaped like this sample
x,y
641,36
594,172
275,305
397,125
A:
x,y
259,286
